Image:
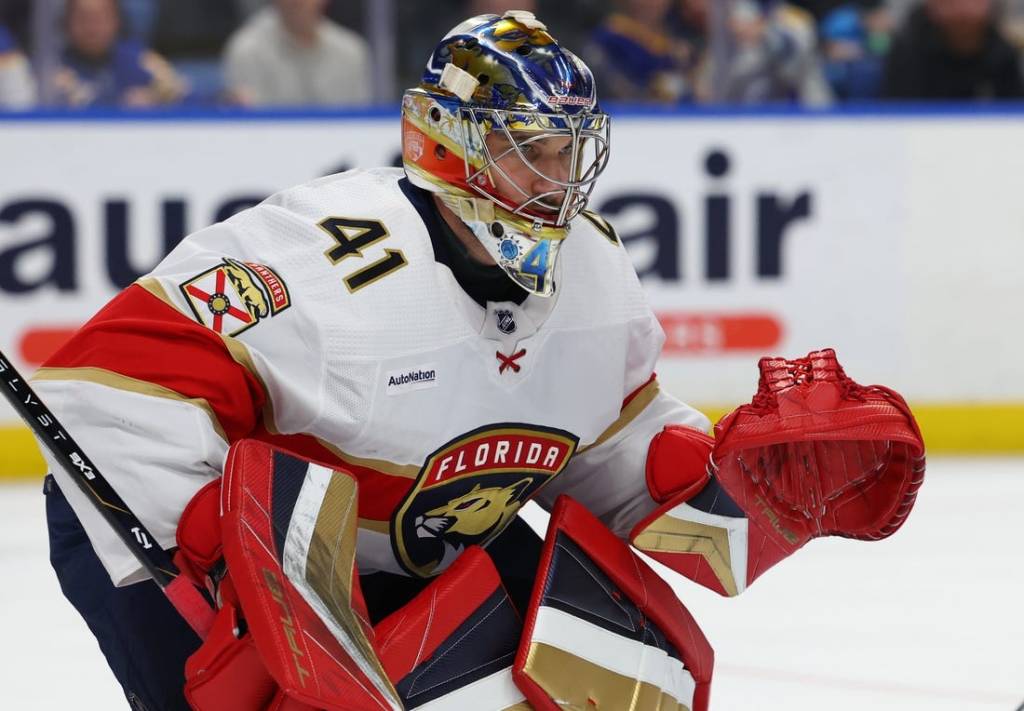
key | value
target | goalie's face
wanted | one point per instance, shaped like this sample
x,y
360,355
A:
x,y
540,167
531,171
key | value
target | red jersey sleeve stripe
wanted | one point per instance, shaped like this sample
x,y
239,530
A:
x,y
140,337
380,493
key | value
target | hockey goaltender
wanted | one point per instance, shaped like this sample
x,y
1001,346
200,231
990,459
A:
x,y
331,407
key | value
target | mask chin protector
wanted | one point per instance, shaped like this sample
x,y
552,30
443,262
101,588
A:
x,y
526,251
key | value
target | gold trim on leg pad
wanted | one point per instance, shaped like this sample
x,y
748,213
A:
x,y
575,683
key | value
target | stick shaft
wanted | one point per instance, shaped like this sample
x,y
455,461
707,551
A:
x,y
87,476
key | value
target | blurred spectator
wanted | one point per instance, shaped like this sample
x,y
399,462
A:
x,y
821,9
192,34
775,57
102,68
572,22
499,7
193,29
344,12
1013,23
855,37
17,86
16,17
635,58
953,49
291,54
420,25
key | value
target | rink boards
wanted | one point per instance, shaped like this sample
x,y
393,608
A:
x,y
894,237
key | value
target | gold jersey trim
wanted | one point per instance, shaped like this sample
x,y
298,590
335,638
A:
x,y
629,413
110,379
405,471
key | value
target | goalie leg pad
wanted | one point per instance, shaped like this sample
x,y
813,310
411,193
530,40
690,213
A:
x,y
452,646
603,630
289,530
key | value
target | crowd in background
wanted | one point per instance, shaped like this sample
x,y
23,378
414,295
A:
x,y
143,53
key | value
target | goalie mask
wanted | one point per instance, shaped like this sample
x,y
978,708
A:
x,y
505,128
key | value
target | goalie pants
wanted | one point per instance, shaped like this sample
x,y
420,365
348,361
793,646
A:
x,y
146,642
142,636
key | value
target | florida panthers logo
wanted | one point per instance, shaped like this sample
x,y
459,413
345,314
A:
x,y
234,296
471,488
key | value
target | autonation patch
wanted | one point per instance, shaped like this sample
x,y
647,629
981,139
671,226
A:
x,y
418,378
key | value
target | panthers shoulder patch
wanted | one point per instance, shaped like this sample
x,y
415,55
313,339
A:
x,y
234,296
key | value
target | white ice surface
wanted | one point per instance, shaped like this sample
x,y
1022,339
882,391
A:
x,y
928,620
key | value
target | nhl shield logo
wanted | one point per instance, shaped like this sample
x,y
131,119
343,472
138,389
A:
x,y
506,321
234,296
471,488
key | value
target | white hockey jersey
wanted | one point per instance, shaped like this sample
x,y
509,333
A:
x,y
321,321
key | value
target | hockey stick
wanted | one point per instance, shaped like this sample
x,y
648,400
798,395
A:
x,y
186,599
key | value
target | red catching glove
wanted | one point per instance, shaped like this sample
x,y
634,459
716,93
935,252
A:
x,y
816,454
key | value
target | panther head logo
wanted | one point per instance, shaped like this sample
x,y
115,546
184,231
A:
x,y
474,514
252,296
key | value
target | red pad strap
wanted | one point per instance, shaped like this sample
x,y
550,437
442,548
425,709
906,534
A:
x,y
599,615
323,658
191,605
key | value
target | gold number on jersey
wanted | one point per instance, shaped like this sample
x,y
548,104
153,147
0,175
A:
x,y
352,236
